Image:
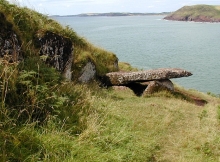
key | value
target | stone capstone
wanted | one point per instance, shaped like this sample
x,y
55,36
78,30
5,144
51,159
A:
x,y
57,51
88,73
10,45
124,78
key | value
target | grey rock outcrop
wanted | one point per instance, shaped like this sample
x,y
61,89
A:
x,y
58,52
10,45
124,78
88,73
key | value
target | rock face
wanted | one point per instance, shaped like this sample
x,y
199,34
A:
x,y
58,52
10,45
88,73
124,78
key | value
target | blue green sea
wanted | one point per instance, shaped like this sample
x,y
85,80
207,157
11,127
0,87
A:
x,y
149,42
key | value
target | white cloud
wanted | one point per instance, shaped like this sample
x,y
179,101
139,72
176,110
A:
x,y
151,6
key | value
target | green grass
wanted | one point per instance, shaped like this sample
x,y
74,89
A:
x,y
206,10
116,125
123,66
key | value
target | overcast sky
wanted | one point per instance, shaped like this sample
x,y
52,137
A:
x,y
71,7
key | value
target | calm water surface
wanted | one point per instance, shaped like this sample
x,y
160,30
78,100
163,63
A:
x,y
149,42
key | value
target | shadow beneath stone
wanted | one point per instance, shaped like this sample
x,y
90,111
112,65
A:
x,y
137,88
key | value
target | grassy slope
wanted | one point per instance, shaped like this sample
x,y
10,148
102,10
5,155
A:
x,y
119,126
45,119
155,128
197,10
123,127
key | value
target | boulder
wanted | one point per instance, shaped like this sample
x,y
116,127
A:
x,y
88,73
124,78
10,45
57,52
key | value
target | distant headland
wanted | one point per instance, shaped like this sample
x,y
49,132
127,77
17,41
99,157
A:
x,y
115,14
196,13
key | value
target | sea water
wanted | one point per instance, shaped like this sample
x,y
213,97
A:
x,y
150,42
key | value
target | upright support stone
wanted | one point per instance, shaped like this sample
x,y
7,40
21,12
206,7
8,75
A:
x,y
157,85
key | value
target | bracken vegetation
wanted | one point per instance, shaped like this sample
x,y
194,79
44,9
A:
x,y
43,118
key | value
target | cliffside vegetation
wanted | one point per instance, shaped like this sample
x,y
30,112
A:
x,y
199,13
30,25
44,118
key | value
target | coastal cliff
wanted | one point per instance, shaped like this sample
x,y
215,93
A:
x,y
26,34
196,13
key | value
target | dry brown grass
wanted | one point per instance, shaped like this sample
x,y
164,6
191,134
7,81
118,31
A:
x,y
218,8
